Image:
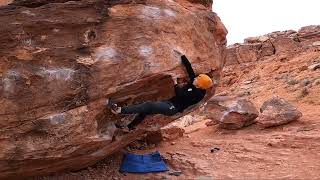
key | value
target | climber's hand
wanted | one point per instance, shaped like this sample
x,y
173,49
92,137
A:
x,y
177,53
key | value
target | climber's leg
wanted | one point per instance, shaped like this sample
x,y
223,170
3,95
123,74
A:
x,y
144,109
159,107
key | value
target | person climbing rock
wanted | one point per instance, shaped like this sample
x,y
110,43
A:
x,y
187,95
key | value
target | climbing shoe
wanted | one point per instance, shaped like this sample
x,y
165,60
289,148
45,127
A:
x,y
115,109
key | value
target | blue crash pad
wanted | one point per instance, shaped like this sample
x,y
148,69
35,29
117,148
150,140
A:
x,y
135,163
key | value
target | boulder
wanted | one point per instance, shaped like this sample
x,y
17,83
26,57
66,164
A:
x,y
248,52
173,130
232,55
267,49
60,60
277,111
285,45
252,50
230,112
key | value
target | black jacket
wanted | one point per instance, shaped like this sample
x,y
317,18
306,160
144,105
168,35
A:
x,y
188,94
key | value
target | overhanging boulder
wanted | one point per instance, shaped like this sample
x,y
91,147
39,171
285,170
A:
x,y
60,61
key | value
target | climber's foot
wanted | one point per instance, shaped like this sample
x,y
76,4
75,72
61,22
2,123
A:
x,y
115,109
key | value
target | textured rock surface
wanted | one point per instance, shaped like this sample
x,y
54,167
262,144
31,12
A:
x,y
277,111
230,113
276,43
5,2
60,61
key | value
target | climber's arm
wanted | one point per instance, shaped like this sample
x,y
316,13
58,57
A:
x,y
188,66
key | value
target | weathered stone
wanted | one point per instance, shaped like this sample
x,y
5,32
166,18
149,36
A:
x,y
206,3
316,43
175,173
284,44
60,61
164,134
154,137
267,49
174,130
316,82
248,52
277,111
314,67
232,55
309,34
258,39
253,50
277,43
231,113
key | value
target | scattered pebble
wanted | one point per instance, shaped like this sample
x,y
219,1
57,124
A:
x,y
292,82
215,149
305,82
316,82
175,173
164,177
204,178
303,68
304,92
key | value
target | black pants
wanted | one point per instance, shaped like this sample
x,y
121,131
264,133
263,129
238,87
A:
x,y
147,108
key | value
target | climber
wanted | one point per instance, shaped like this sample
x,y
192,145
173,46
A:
x,y
187,95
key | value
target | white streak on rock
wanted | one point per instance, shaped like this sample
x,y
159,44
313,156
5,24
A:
x,y
27,12
27,42
169,12
156,13
56,30
225,113
8,82
105,54
151,11
57,73
235,107
57,118
145,50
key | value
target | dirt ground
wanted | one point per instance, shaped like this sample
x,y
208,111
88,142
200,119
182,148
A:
x,y
290,151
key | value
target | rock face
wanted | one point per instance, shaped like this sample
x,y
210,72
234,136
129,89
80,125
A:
x,y
277,111
276,43
60,61
230,113
5,2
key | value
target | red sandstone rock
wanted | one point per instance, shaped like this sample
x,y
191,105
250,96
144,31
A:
x,y
60,61
277,111
281,42
230,113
